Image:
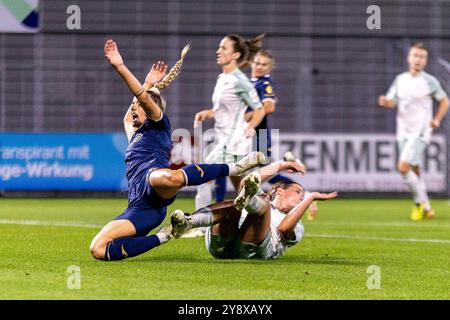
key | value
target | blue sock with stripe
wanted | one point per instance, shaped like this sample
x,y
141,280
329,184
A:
x,y
128,247
197,174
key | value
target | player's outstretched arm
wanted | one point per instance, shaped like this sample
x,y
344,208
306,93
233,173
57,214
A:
x,y
272,169
287,225
115,59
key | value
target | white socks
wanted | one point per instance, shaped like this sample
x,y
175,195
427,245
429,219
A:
x,y
425,200
412,181
418,188
202,218
255,205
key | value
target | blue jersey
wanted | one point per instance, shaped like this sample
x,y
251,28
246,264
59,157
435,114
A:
x,y
149,147
264,88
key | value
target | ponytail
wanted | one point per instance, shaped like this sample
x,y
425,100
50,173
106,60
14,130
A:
x,y
165,82
247,48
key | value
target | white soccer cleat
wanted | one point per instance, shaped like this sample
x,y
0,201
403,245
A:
x,y
250,186
250,161
166,233
180,223
289,156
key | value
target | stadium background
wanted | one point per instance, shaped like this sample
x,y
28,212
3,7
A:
x,y
330,67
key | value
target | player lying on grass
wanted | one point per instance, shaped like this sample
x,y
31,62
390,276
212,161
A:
x,y
252,226
151,186
271,175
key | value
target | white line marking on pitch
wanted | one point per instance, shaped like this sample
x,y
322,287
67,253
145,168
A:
x,y
420,224
49,223
337,236
311,235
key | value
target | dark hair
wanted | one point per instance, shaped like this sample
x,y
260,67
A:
x,y
419,45
247,48
283,185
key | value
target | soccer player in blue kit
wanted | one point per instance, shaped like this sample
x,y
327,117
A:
x,y
151,185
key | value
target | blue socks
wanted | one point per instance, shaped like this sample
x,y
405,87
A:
x,y
220,188
197,174
128,247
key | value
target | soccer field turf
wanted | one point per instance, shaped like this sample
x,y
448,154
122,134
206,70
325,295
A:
x,y
41,238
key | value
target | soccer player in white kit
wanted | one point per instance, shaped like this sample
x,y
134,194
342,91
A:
x,y
413,93
254,226
232,94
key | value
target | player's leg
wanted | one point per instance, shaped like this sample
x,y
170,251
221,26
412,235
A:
x,y
254,236
223,221
220,189
410,156
113,230
203,197
168,182
257,223
428,211
217,214
126,236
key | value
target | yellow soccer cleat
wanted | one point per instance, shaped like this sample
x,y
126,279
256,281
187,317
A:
x,y
417,213
430,214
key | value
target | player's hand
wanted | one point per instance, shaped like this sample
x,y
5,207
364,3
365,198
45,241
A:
x,y
324,196
292,167
156,73
385,102
435,124
202,116
112,54
382,101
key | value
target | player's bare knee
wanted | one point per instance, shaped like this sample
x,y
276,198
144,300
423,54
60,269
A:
x,y
97,249
166,178
403,168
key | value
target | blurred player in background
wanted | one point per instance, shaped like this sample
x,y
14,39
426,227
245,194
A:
x,y
232,95
151,186
253,226
413,92
262,65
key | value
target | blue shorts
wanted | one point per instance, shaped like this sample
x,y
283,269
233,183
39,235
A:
x,y
146,209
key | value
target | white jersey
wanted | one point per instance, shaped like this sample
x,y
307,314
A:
x,y
414,98
232,94
278,245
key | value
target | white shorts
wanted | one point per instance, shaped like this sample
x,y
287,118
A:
x,y
411,150
219,155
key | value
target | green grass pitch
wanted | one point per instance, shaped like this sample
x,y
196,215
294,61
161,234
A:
x,y
41,238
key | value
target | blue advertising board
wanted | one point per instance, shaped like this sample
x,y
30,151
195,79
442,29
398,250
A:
x,y
35,161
